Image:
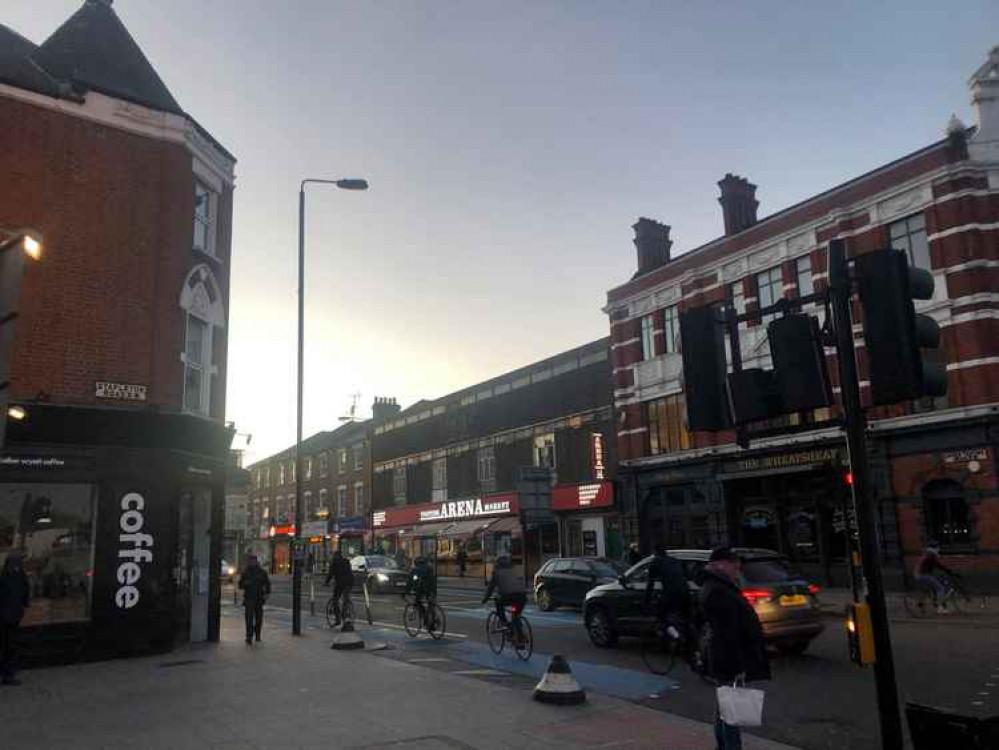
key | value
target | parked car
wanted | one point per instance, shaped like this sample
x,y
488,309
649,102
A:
x,y
228,571
564,581
785,602
380,571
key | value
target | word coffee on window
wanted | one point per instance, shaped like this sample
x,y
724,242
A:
x,y
134,550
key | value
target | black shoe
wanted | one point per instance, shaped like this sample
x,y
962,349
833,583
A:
x,y
258,639
249,641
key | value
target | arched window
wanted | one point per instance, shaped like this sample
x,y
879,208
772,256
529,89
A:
x,y
203,313
948,517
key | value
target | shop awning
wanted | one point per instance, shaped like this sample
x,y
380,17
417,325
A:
x,y
431,529
508,523
465,528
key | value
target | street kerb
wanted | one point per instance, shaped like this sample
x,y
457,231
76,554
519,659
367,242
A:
x,y
347,639
558,686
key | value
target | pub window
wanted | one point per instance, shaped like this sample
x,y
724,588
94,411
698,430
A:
x,y
949,520
648,337
667,420
909,234
671,329
771,288
51,526
803,276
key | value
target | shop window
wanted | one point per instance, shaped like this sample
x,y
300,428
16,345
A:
x,y
544,451
948,518
399,485
440,480
648,337
667,420
52,527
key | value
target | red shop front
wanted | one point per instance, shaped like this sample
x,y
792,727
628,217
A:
x,y
588,521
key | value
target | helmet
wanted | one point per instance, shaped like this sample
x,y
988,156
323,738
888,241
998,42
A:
x,y
421,560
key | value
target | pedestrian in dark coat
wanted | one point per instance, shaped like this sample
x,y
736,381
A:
x,y
14,597
462,562
634,556
734,647
256,585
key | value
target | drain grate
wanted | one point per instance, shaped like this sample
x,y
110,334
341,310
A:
x,y
179,663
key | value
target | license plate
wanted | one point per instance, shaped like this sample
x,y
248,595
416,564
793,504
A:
x,y
400,584
794,600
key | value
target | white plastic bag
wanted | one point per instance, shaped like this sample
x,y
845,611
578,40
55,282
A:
x,y
740,706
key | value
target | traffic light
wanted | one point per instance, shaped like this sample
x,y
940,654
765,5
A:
x,y
860,633
801,375
901,344
754,395
702,337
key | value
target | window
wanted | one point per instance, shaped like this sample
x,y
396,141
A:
x,y
487,464
52,527
359,456
948,518
309,511
440,480
771,288
342,460
280,474
667,419
204,207
544,451
267,476
359,499
671,329
737,297
803,276
203,313
341,501
324,464
324,510
909,234
257,476
648,337
194,370
308,467
399,485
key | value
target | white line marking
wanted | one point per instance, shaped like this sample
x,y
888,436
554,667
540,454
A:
x,y
448,634
425,661
481,672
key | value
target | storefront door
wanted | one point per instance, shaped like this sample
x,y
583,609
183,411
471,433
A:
x,y
201,517
182,569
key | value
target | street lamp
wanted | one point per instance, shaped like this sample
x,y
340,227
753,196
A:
x,y
296,580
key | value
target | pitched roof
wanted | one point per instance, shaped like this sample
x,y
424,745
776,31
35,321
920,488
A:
x,y
93,49
16,66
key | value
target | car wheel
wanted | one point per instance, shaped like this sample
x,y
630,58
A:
x,y
600,628
792,648
544,599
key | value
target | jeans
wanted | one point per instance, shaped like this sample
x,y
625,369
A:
x,y
727,736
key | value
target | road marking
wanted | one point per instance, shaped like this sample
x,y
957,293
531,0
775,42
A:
x,y
977,703
448,634
491,672
427,660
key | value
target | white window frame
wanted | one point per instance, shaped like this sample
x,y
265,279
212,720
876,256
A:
x,y
323,499
358,451
439,486
671,329
201,300
324,464
648,336
359,499
341,501
544,451
208,222
342,461
280,481
904,241
308,467
775,289
803,271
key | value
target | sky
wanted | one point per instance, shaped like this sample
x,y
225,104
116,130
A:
x,y
510,147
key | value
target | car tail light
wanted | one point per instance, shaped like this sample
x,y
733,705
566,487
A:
x,y
813,589
515,609
756,596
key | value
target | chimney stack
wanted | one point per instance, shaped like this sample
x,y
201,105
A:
x,y
652,243
384,409
984,144
739,204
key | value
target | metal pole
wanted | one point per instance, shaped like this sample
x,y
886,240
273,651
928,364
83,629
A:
x,y
884,665
296,580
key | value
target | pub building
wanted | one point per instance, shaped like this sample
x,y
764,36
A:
x,y
933,461
113,474
522,464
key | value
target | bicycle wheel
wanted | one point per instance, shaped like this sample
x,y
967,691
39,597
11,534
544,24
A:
x,y
658,653
918,603
957,602
347,611
437,624
523,638
412,620
495,633
331,612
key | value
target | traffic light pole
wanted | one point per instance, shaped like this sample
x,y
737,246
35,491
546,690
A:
x,y
840,291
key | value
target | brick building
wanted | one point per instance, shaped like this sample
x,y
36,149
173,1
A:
x,y
119,355
335,492
934,461
521,464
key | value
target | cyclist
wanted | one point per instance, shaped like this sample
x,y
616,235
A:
x,y
674,610
422,582
928,570
509,588
343,580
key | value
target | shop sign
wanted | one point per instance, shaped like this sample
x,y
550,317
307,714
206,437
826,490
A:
x,y
288,530
465,509
235,513
784,460
341,525
964,457
597,445
47,463
314,528
120,391
491,505
572,497
757,518
134,550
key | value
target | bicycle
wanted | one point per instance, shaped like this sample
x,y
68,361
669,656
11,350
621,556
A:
x,y
923,601
661,646
516,630
418,615
346,610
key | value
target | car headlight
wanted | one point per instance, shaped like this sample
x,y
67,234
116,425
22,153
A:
x,y
230,570
381,578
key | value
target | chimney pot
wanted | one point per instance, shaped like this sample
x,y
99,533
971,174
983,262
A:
x,y
652,243
738,202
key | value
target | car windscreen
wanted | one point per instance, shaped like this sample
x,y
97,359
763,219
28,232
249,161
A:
x,y
606,569
382,562
769,571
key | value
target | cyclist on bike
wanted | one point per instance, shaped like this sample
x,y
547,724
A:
x,y
509,588
343,580
422,581
928,570
674,610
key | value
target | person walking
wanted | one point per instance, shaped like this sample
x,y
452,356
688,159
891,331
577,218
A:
x,y
634,556
734,648
14,597
462,562
256,585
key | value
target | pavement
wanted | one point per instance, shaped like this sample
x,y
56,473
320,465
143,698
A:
x,y
294,692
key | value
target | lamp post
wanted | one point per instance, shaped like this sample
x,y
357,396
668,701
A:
x,y
296,580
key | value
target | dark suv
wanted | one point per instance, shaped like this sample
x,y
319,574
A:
x,y
785,602
564,581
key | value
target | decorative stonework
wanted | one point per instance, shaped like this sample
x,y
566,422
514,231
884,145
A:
x,y
766,257
905,203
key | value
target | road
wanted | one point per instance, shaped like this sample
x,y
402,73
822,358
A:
x,y
817,701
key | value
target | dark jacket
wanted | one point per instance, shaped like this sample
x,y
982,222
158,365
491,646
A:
x,y
423,581
341,572
14,595
734,637
505,582
633,557
675,592
256,585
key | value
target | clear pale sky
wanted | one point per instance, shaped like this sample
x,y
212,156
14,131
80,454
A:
x,y
510,146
